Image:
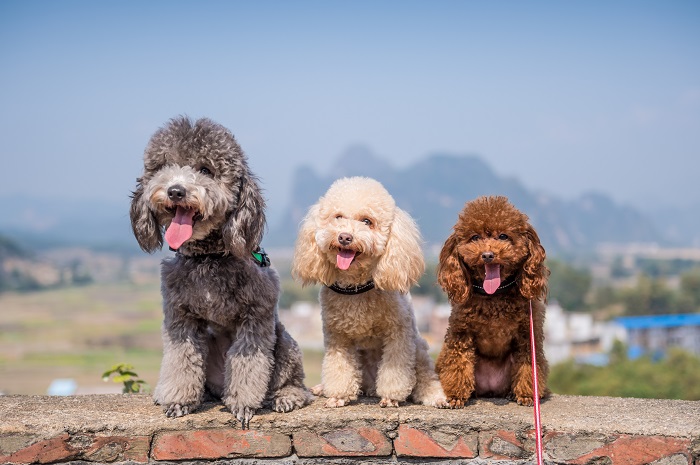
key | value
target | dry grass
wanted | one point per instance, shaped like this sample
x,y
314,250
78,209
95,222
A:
x,y
78,333
81,332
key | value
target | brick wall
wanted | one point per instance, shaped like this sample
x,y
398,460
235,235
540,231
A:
x,y
131,430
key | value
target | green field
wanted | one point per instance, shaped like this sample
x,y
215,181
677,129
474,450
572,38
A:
x,y
81,332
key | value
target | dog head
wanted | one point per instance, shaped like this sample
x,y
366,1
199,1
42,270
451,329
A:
x,y
196,191
492,244
356,233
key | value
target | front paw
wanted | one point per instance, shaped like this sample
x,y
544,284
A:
x,y
440,402
384,402
455,403
334,402
283,405
525,401
178,410
317,390
436,398
243,415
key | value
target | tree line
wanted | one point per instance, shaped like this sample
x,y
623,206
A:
x,y
652,293
675,376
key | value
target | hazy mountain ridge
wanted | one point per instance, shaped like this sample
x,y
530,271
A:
x,y
434,190
44,223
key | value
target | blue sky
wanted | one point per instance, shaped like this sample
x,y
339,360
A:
x,y
568,96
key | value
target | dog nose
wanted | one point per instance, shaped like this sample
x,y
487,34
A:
x,y
487,256
177,193
345,239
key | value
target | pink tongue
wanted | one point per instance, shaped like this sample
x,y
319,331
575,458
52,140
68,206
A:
x,y
493,278
345,258
180,228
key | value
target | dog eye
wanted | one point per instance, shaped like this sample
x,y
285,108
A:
x,y
475,237
339,217
205,171
503,237
368,222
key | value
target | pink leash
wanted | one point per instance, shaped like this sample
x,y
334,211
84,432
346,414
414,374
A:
x,y
538,424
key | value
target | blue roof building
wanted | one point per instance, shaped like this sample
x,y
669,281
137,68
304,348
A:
x,y
654,334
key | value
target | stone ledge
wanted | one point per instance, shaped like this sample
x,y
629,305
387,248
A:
x,y
130,429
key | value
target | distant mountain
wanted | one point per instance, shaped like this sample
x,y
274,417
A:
x,y
11,249
435,189
679,226
43,223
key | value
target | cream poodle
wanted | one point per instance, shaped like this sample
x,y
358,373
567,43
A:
x,y
366,253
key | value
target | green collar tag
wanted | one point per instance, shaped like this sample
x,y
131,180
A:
x,y
261,257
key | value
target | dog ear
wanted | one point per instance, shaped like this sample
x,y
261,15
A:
x,y
402,262
143,221
451,276
535,273
245,226
309,264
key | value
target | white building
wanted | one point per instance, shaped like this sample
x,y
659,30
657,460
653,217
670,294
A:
x,y
577,335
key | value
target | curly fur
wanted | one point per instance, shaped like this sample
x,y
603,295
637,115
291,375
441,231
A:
x,y
486,350
372,343
221,328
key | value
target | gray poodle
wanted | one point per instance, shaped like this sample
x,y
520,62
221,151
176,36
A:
x,y
221,331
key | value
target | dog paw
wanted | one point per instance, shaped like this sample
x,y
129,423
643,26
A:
x,y
334,402
525,401
456,403
242,412
243,415
178,410
437,400
317,390
388,403
285,404
439,403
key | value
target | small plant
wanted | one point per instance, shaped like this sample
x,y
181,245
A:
x,y
124,373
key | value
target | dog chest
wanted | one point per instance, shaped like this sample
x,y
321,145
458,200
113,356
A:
x,y
364,318
495,338
216,289
496,346
493,329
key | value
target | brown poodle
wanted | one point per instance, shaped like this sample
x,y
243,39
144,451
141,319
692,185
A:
x,y
492,267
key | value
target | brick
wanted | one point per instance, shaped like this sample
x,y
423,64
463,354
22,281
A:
x,y
502,445
676,459
219,443
10,443
83,446
413,442
46,451
566,447
350,442
639,450
118,449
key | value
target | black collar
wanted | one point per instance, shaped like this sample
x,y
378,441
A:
x,y
352,290
216,255
259,256
506,284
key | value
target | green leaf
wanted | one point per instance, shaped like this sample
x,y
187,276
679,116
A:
x,y
122,379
